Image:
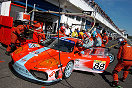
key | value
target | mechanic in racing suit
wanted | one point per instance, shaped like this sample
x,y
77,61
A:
x,y
17,35
62,31
97,40
81,34
88,41
84,44
124,58
104,39
37,34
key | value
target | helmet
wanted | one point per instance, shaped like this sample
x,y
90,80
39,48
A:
x,y
123,42
36,24
104,33
120,40
62,28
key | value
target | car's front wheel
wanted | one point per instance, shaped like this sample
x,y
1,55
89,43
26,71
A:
x,y
68,69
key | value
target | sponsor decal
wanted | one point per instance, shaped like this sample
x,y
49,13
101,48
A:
x,y
99,65
31,45
52,74
128,46
35,53
18,50
23,60
77,63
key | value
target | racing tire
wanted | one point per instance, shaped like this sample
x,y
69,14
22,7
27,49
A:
x,y
111,56
68,69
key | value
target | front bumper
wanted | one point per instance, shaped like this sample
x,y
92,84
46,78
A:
x,y
24,73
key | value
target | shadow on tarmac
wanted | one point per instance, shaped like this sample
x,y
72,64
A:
x,y
103,75
84,72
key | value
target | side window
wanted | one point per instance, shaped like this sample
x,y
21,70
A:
x,y
98,51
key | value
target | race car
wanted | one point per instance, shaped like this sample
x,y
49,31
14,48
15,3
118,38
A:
x,y
53,60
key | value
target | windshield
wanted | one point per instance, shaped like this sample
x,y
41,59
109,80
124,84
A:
x,y
64,44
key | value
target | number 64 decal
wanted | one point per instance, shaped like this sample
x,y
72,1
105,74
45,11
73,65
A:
x,y
99,65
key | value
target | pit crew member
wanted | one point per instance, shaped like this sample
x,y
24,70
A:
x,y
124,58
37,34
88,41
17,35
97,40
104,39
62,31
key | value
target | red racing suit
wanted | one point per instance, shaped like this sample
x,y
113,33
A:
x,y
81,35
16,37
104,40
124,58
61,33
37,34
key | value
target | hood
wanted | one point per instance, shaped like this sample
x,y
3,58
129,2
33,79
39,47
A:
x,y
26,53
42,58
36,57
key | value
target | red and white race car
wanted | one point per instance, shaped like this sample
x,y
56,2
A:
x,y
42,63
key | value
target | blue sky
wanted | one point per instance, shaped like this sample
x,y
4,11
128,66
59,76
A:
x,y
120,11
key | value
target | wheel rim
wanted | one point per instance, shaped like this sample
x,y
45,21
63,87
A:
x,y
68,69
111,58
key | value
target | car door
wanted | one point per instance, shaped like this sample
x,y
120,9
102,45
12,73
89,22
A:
x,y
85,61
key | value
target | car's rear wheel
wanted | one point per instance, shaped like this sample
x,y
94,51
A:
x,y
111,56
68,69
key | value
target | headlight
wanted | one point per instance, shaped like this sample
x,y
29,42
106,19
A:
x,y
49,62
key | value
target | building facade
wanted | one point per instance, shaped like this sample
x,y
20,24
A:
x,y
68,6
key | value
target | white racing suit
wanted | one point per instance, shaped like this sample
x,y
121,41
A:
x,y
98,41
88,42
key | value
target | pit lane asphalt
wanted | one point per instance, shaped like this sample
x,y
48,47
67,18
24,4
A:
x,y
78,79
